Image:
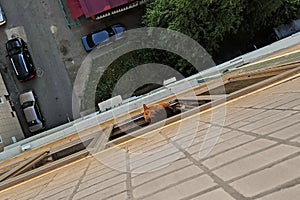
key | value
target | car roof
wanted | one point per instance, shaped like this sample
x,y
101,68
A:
x,y
100,36
19,65
30,114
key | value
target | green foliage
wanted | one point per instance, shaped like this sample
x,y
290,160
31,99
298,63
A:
x,y
133,59
210,21
205,21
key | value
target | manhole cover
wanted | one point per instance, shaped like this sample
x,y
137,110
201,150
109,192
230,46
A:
x,y
39,72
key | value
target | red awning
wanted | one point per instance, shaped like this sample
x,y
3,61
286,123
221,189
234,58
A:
x,y
75,8
92,7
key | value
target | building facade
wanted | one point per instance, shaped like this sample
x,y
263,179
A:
x,y
10,129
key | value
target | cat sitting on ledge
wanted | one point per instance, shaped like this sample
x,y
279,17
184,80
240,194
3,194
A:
x,y
157,112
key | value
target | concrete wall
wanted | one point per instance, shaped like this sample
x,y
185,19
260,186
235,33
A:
x,y
9,123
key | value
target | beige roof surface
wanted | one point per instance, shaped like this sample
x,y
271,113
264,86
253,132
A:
x,y
256,156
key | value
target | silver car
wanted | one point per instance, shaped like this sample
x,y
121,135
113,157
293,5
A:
x,y
2,17
33,116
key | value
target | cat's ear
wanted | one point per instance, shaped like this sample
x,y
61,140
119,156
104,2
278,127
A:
x,y
145,107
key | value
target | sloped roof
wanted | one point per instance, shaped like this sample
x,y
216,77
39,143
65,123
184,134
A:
x,y
256,156
93,7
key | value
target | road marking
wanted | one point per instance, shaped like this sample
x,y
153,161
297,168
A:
x,y
53,29
18,31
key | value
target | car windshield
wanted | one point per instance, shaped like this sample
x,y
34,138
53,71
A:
x,y
1,16
14,46
27,104
14,51
90,41
119,29
34,122
110,32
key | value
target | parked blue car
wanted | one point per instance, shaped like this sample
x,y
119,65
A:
x,y
103,37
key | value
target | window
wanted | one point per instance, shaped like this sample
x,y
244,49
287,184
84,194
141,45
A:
x,y
6,97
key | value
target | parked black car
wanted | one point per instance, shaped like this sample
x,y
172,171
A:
x,y
103,37
20,59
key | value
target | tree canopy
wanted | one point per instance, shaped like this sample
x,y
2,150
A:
x,y
218,25
210,22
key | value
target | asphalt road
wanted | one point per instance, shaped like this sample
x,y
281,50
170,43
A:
x,y
57,53
52,85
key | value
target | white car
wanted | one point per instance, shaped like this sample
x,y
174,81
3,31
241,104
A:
x,y
33,116
2,17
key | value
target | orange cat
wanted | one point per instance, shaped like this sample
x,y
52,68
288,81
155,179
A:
x,y
157,112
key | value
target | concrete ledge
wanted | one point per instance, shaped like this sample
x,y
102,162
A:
x,y
211,105
164,92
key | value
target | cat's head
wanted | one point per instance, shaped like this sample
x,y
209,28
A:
x,y
147,113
